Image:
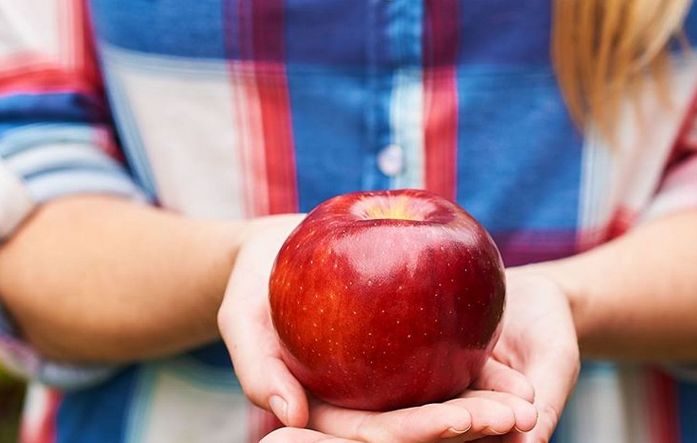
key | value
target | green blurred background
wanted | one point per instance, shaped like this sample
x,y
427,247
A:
x,y
11,396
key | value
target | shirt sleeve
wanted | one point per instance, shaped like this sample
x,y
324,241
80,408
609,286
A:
x,y
678,187
55,140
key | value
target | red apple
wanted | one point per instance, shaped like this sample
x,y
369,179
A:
x,y
389,299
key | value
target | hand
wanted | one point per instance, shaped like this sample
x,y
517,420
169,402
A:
x,y
245,324
246,327
539,340
473,415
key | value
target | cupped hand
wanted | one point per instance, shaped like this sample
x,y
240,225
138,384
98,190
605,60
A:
x,y
472,416
499,403
538,339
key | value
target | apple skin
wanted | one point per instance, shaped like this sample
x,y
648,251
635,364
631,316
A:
x,y
388,299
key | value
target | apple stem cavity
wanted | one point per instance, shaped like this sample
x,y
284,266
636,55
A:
x,y
392,207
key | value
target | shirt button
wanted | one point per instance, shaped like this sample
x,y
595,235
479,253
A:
x,y
391,160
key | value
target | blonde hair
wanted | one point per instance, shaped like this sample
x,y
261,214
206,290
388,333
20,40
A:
x,y
604,49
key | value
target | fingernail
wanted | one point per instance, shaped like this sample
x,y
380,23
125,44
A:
x,y
279,407
491,431
520,431
454,432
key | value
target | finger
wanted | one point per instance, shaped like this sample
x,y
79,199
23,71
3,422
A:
x,y
255,353
264,378
499,377
490,416
551,392
433,422
460,420
524,412
297,435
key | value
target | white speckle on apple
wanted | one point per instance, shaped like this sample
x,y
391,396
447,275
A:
x,y
408,335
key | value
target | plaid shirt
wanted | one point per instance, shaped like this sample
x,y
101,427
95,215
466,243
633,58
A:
x,y
240,108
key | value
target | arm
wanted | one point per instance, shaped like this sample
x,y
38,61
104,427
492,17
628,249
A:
x,y
100,278
87,278
635,297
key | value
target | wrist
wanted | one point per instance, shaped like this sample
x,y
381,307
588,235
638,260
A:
x,y
224,239
569,279
218,243
278,223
